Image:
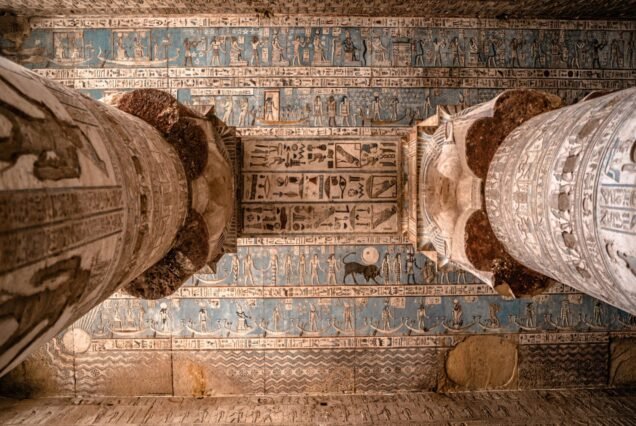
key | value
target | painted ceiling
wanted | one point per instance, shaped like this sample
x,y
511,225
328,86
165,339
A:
x,y
324,293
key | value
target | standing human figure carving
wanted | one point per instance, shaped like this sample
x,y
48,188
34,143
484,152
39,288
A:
x,y
301,269
596,47
228,110
297,44
317,111
437,51
332,269
457,52
247,269
288,269
345,111
411,264
331,111
314,265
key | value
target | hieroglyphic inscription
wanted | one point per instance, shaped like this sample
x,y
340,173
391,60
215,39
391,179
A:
x,y
344,186
36,207
33,245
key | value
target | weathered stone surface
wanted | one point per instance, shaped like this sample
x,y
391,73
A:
x,y
549,366
597,407
188,254
482,362
218,373
501,9
623,362
560,196
144,373
47,372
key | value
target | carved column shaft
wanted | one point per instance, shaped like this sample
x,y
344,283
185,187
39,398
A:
x,y
453,155
92,197
561,196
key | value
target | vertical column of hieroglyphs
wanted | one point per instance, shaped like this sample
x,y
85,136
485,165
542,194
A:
x,y
561,196
90,197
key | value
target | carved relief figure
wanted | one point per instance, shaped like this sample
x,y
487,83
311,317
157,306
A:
x,y
349,48
248,265
189,49
313,318
278,52
438,45
273,267
397,268
228,107
301,269
564,316
578,56
276,317
616,53
536,52
411,264
256,44
345,111
515,52
387,316
379,50
385,269
317,111
457,314
288,269
242,317
457,52
421,51
203,319
319,49
216,46
596,47
530,316
314,266
331,111
376,108
297,44
421,316
369,272
244,112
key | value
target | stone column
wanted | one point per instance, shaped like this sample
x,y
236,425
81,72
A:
x,y
446,176
561,196
93,199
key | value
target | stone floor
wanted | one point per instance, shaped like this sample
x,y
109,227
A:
x,y
588,407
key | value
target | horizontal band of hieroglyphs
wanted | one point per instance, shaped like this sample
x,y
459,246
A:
x,y
501,84
100,345
178,344
395,23
338,291
277,132
319,240
352,73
